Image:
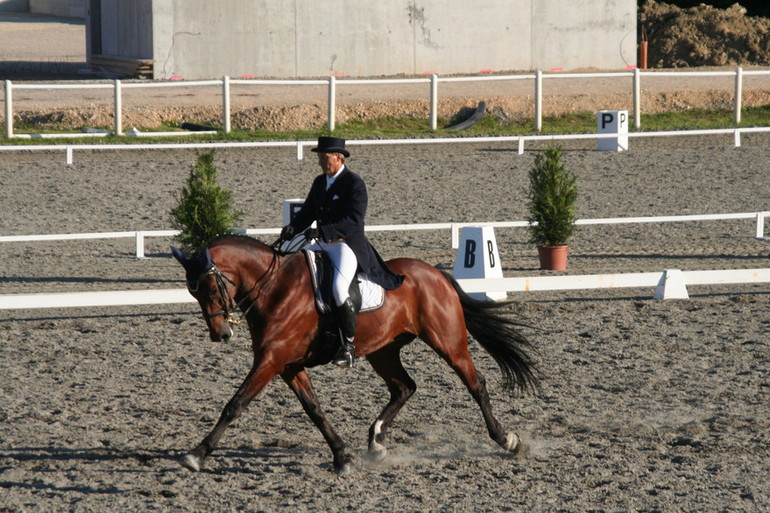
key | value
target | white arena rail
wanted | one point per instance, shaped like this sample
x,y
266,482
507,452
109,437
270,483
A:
x,y
669,284
454,228
69,149
332,83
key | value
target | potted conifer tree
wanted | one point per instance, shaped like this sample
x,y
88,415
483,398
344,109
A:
x,y
552,212
204,209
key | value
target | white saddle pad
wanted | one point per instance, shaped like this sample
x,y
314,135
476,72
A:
x,y
372,295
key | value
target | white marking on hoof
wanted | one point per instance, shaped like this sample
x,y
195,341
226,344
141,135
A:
x,y
191,462
377,451
512,441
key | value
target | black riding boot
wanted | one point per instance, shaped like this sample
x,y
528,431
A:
x,y
346,321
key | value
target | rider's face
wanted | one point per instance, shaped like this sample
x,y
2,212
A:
x,y
330,162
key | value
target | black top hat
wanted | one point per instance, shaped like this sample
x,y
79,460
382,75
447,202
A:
x,y
331,145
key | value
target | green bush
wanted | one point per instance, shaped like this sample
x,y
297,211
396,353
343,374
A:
x,y
552,194
203,209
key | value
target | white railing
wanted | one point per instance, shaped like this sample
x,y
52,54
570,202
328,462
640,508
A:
x,y
332,83
454,228
520,140
669,284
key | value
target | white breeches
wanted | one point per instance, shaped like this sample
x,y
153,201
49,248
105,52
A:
x,y
345,266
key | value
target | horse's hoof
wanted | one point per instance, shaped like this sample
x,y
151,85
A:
x,y
512,443
378,454
377,451
191,462
344,470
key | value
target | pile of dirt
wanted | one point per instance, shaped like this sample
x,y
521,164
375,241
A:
x,y
703,36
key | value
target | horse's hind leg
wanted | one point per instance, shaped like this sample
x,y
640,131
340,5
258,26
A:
x,y
387,363
460,360
300,383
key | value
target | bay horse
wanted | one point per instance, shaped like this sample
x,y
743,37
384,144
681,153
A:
x,y
273,291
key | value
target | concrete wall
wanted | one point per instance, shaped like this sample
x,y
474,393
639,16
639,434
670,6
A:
x,y
296,38
14,5
582,34
299,39
65,8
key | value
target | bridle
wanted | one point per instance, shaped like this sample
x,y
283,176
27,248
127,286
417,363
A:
x,y
228,302
230,305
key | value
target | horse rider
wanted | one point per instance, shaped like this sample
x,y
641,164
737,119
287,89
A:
x,y
337,202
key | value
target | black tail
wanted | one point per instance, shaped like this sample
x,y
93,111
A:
x,y
501,338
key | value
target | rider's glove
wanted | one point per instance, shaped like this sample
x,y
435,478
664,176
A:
x,y
287,232
312,234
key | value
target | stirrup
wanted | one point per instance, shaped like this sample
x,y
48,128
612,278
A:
x,y
345,355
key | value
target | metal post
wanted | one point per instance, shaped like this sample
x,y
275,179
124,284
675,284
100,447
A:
x,y
738,93
8,110
332,102
538,101
226,103
433,101
118,109
637,98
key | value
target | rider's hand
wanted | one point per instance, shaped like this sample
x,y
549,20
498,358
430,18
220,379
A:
x,y
287,232
312,234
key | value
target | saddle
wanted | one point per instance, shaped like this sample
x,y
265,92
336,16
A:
x,y
366,295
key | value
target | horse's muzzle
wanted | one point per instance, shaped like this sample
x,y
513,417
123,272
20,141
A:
x,y
222,333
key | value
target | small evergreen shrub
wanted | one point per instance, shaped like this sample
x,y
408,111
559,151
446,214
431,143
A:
x,y
204,209
552,194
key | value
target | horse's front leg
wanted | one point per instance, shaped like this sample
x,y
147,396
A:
x,y
299,381
259,376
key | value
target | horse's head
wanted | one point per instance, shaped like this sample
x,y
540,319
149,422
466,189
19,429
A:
x,y
214,291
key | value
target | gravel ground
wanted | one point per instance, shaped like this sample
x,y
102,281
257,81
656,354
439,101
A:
x,y
646,405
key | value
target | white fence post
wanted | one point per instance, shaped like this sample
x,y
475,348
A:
x,y
538,101
671,285
226,103
637,87
118,109
8,110
332,102
69,155
738,94
761,224
433,101
139,245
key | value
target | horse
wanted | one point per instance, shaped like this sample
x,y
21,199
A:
x,y
273,291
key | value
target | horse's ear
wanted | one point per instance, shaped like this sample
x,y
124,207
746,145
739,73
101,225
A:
x,y
205,260
179,255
